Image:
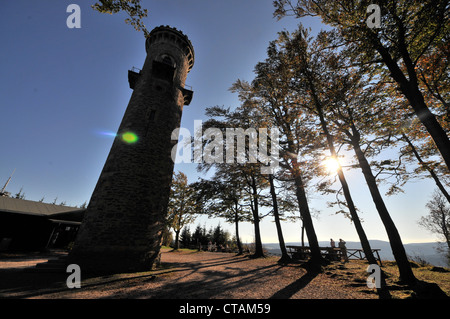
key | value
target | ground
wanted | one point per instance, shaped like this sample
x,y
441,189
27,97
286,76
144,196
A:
x,y
188,274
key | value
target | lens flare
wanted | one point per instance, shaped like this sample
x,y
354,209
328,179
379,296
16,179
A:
x,y
129,137
107,133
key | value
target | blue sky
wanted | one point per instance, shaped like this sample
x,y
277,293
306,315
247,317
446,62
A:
x,y
60,88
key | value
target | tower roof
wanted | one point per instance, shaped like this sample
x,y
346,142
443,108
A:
x,y
180,38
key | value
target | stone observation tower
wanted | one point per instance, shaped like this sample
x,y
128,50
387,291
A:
x,y
124,220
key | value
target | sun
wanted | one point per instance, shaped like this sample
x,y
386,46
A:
x,y
331,165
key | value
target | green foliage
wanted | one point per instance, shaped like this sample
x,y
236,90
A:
x,y
131,7
84,205
167,237
200,236
366,81
20,194
407,52
185,237
438,219
182,205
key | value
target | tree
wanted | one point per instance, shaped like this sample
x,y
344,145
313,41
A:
x,y
410,31
337,92
244,174
438,219
220,237
356,120
284,254
131,7
278,111
316,77
223,197
428,166
301,140
185,237
82,206
20,194
199,236
253,181
268,95
358,115
181,208
167,237
417,148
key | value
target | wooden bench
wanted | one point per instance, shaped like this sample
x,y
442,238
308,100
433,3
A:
x,y
331,253
299,252
352,253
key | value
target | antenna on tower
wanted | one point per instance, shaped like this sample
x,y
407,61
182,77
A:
x,y
2,192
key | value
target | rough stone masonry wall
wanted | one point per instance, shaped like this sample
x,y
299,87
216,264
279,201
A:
x,y
124,219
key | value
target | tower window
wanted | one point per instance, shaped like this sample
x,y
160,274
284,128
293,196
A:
x,y
167,59
164,67
163,71
152,115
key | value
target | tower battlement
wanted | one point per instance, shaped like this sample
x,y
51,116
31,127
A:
x,y
167,34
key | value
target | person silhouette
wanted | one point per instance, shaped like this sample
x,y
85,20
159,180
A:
x,y
343,249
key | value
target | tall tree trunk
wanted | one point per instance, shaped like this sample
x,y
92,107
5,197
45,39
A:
x,y
445,230
428,168
303,234
305,214
397,247
177,239
284,254
428,119
351,206
255,210
236,223
355,218
316,256
383,291
410,89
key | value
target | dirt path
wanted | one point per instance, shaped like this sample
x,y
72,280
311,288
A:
x,y
189,275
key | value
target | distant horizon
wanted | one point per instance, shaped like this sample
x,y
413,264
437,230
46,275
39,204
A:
x,y
415,251
356,241
264,242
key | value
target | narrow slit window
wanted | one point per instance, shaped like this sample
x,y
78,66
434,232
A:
x,y
152,115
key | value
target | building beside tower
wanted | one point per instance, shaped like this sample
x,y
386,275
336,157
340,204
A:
x,y
123,223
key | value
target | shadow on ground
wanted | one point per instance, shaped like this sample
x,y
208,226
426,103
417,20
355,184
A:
x,y
221,276
208,278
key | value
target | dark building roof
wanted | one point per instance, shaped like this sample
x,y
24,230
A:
x,y
28,207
